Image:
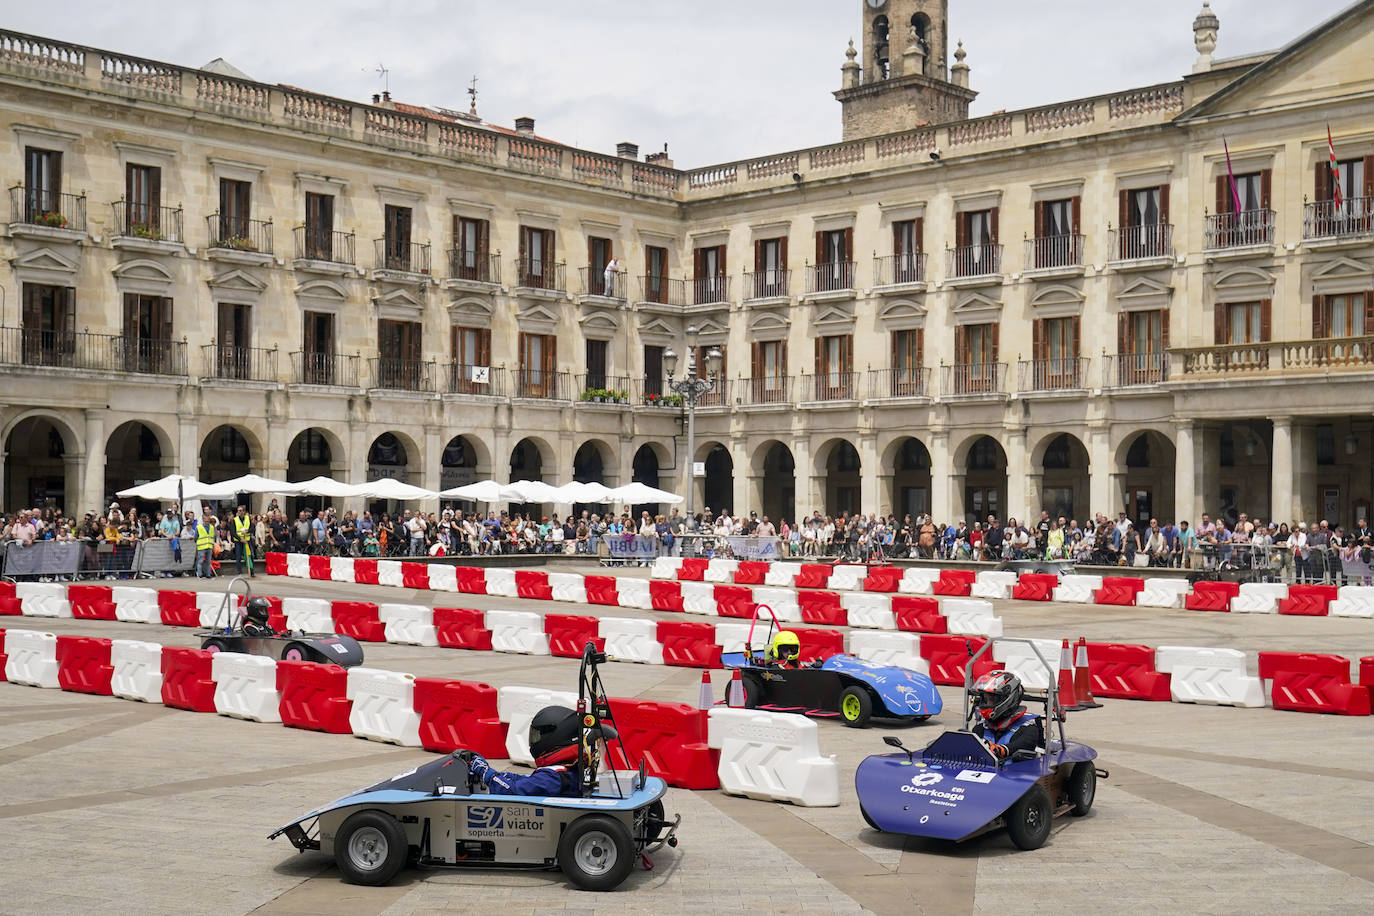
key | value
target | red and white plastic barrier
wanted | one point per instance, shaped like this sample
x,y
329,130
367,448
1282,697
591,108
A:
x,y
773,756
1212,676
137,670
32,658
383,706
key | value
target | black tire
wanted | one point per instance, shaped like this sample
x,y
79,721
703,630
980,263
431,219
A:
x,y
868,820
753,692
1028,821
215,645
1082,786
856,707
371,848
296,652
596,852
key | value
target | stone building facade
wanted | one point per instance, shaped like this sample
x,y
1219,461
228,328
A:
x,y
211,275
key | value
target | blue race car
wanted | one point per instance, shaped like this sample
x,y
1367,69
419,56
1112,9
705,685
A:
x,y
957,788
841,686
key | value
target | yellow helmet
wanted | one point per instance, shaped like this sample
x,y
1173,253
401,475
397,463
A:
x,y
786,647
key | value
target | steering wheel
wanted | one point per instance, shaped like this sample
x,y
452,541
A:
x,y
469,780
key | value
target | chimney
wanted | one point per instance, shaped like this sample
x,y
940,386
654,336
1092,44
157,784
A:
x,y
376,98
525,126
660,158
386,96
627,150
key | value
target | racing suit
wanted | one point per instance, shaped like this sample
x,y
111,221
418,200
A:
x,y
1020,731
553,780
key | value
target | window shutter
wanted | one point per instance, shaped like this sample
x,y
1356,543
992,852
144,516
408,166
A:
x,y
1164,205
920,234
550,354
1124,210
1074,326
820,247
309,341
847,352
483,242
994,235
1320,329
524,242
897,238
1123,340
960,230
1368,312
894,339
591,256
782,359
849,244
919,357
1077,214
1164,328
226,325
1266,188
413,341
548,246
155,194
1038,339
1219,324
1039,219
756,360
1266,310
1369,176
720,262
1322,186
782,253
820,356
961,353
758,255
1223,195
996,343
164,327
454,350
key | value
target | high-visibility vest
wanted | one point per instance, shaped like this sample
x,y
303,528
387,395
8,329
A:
x,y
241,526
205,536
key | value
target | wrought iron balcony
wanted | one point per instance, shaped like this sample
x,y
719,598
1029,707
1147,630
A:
x,y
900,269
36,347
533,273
1239,230
773,283
594,283
244,364
394,374
599,388
317,368
767,389
1326,219
905,382
830,277
831,386
720,397
474,266
238,234
144,221
1054,251
41,207
541,384
976,378
1127,369
487,381
407,258
711,290
1056,374
328,245
662,291
983,260
1138,243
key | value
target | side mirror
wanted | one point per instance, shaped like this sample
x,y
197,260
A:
x,y
893,741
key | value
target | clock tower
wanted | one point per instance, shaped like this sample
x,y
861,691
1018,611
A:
x,y
902,79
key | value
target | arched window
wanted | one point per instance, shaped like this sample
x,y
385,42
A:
x,y
880,52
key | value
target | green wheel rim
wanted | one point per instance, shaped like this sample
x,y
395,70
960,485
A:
x,y
851,707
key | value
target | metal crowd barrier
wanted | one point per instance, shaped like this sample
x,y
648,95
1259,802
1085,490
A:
x,y
1281,563
70,560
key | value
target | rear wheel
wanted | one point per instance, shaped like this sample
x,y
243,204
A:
x,y
856,707
753,692
370,848
295,652
1082,786
653,822
215,645
1028,821
596,852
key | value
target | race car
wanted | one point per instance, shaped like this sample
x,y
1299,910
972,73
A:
x,y
246,629
957,788
439,815
841,686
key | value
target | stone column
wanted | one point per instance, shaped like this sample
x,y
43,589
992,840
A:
x,y
868,475
957,509
1100,473
1018,466
941,479
1035,498
1282,475
430,470
1185,478
93,476
71,486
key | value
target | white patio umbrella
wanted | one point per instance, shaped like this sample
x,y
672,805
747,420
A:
x,y
178,486
534,491
325,486
638,493
483,491
252,483
391,488
584,493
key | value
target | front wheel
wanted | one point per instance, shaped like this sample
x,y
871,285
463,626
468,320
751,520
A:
x,y
214,645
1082,786
295,652
1028,821
596,852
856,707
753,692
370,848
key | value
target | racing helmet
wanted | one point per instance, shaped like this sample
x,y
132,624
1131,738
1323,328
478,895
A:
x,y
786,647
996,695
554,735
257,611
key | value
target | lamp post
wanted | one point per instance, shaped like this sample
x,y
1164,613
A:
x,y
692,389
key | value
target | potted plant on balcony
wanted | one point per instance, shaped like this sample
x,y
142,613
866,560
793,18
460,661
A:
x,y
671,400
622,397
51,218
595,395
238,243
145,231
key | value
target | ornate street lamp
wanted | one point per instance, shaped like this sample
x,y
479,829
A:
x,y
692,389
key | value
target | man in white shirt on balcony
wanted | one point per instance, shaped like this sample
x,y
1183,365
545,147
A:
x,y
612,269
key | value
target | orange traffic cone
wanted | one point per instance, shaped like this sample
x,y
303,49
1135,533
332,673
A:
x,y
1067,699
707,698
1082,678
734,694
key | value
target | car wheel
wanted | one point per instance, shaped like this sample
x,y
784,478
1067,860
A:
x,y
1082,786
856,707
596,852
370,848
868,820
215,645
295,652
1028,821
753,692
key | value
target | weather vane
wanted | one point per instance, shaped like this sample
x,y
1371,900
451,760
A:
x,y
472,96
386,77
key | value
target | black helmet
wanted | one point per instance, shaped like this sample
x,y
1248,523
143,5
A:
x,y
996,695
554,735
258,610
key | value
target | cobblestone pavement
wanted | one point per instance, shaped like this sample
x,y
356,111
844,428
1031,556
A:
x,y
116,807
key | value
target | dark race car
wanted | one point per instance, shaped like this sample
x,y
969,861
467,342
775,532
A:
x,y
246,629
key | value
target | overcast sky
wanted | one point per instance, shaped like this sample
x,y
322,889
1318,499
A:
x,y
715,79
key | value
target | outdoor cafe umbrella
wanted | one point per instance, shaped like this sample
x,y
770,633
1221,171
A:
x,y
325,486
252,483
483,491
178,487
640,493
584,493
391,488
535,491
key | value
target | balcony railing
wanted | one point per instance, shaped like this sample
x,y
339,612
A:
x,y
244,364
409,258
712,290
144,221
1239,230
1054,251
976,378
541,384
533,273
394,374
773,283
327,245
652,391
899,269
239,234
768,389
662,291
610,389
94,352
975,260
594,282
830,277
1326,219
905,382
1332,352
324,369
1056,374
1126,369
41,207
1226,359
1136,243
831,386
474,266
487,381
720,397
